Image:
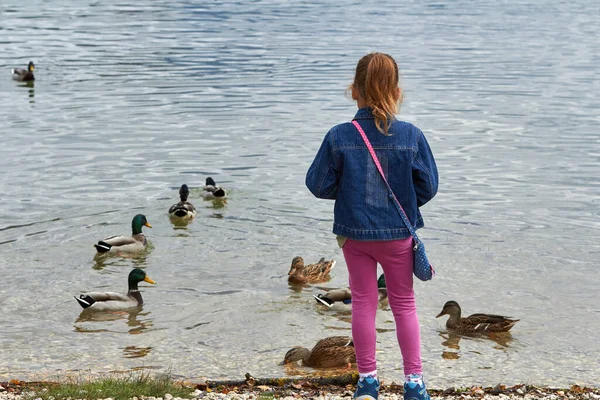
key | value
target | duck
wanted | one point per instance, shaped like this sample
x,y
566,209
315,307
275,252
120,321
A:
x,y
210,191
184,209
330,352
343,296
475,323
312,273
23,75
104,301
126,244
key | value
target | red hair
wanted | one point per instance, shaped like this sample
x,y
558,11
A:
x,y
376,80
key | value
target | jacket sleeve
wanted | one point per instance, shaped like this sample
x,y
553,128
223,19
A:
x,y
425,173
322,177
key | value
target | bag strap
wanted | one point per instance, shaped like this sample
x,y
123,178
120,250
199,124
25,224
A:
x,y
392,195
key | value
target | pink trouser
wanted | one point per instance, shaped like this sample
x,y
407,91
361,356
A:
x,y
396,259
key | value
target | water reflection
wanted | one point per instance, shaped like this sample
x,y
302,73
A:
x,y
136,352
452,342
102,260
296,369
180,223
136,320
218,203
31,86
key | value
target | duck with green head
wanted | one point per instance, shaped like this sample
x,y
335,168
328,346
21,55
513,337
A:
x,y
23,75
103,301
211,191
342,297
474,323
184,210
126,244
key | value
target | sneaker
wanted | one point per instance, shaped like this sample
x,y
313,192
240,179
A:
x,y
415,391
367,389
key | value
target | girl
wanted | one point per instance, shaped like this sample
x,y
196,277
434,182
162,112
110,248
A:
x,y
369,227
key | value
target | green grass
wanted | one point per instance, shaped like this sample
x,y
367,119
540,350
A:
x,y
115,387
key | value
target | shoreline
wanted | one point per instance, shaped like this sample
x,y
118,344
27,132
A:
x,y
326,388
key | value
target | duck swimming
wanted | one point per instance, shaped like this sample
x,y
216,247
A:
x,y
23,75
475,323
344,295
184,209
126,244
210,191
312,273
103,301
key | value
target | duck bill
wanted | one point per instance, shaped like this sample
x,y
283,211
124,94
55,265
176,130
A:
x,y
147,279
440,314
148,225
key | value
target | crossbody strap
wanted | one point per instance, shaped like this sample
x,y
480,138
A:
x,y
392,195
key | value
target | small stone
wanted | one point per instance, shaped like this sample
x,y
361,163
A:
x,y
168,396
520,391
479,392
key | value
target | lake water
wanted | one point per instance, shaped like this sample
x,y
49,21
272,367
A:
x,y
133,99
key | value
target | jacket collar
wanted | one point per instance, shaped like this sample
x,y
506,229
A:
x,y
364,113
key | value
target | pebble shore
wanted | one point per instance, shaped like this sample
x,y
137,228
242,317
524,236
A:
x,y
392,392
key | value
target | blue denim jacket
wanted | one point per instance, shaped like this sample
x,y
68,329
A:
x,y
344,170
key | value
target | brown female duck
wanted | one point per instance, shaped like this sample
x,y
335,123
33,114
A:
x,y
331,352
312,273
475,323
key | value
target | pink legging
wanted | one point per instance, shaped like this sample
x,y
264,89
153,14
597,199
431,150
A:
x,y
396,259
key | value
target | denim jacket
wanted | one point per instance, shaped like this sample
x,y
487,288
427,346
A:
x,y
343,170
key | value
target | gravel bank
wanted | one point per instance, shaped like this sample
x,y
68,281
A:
x,y
308,390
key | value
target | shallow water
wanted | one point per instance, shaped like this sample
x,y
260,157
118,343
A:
x,y
131,100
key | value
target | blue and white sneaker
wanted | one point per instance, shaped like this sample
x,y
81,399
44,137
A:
x,y
367,389
415,389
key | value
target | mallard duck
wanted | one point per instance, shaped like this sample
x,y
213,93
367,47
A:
x,y
126,244
116,301
23,75
475,323
344,295
312,273
331,352
211,191
184,209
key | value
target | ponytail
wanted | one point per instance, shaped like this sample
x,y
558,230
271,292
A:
x,y
376,79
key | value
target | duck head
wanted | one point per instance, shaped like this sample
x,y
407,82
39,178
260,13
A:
x,y
296,354
451,308
210,182
137,223
184,192
136,276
